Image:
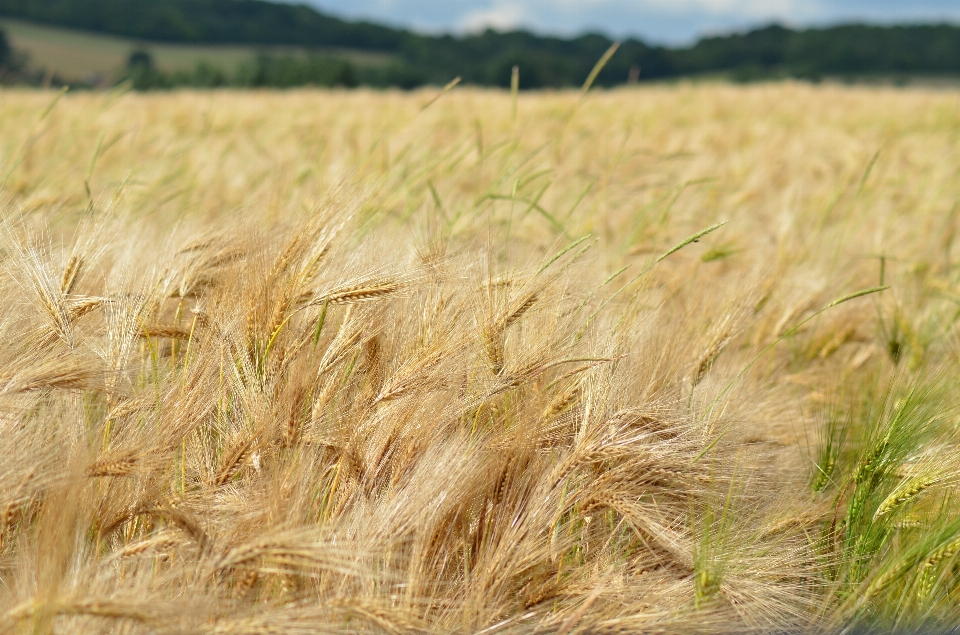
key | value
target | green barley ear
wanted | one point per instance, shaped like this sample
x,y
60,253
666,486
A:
x,y
869,462
443,91
831,442
320,321
692,239
856,294
906,492
560,254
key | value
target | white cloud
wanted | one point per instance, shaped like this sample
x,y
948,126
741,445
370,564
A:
x,y
745,8
660,21
584,8
501,18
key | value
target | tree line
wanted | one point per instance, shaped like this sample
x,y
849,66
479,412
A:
x,y
854,51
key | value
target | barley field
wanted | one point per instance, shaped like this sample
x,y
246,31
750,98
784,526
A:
x,y
661,359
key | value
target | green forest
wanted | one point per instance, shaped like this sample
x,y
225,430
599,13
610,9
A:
x,y
852,51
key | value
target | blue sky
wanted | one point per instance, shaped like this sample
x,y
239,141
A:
x,y
663,21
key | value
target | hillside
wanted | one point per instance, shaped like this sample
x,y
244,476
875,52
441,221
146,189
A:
x,y
78,57
256,26
207,21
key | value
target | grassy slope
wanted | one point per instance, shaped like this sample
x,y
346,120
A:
x,y
76,55
236,403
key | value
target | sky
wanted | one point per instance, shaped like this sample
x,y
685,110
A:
x,y
658,21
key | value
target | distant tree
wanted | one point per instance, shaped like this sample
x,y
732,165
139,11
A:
x,y
409,59
142,71
290,71
6,52
140,60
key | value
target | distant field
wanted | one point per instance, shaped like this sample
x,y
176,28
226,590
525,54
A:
x,y
664,359
81,55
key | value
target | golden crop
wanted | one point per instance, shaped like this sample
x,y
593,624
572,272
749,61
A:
x,y
666,359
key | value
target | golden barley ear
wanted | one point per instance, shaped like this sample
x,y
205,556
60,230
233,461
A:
x,y
246,582
235,459
70,274
84,306
151,546
493,343
124,466
183,520
563,401
522,306
170,331
710,355
359,293
298,411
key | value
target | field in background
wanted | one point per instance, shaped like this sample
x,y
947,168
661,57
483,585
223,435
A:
x,y
659,359
91,58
